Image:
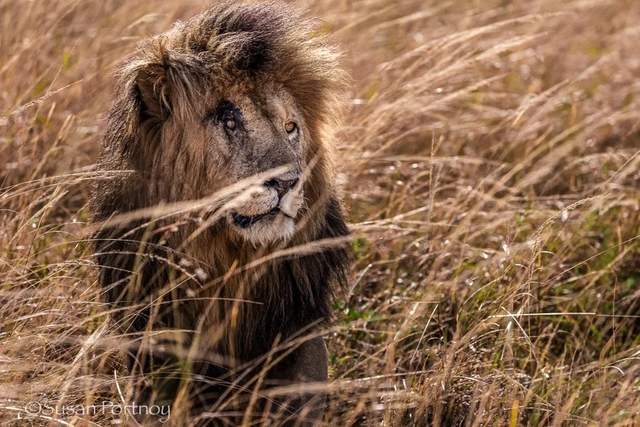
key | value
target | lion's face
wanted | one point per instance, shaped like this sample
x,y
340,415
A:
x,y
238,91
246,133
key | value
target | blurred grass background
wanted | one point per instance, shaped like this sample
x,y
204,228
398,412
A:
x,y
490,161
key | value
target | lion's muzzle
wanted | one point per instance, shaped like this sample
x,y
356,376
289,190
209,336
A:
x,y
282,186
269,209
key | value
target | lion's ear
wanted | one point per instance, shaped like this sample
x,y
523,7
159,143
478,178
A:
x,y
163,83
150,88
145,92
154,86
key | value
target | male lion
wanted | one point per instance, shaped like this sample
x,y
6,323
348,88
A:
x,y
228,107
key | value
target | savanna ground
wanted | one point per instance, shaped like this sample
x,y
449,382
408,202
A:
x,y
490,160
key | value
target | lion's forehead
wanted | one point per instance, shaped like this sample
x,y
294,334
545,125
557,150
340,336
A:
x,y
264,146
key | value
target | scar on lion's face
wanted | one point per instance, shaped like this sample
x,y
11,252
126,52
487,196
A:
x,y
246,134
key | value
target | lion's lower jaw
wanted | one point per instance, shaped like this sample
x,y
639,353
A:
x,y
280,229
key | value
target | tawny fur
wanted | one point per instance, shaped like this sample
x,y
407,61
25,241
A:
x,y
169,277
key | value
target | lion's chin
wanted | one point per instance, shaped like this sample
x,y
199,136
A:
x,y
271,228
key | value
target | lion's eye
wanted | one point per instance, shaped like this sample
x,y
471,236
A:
x,y
290,127
230,124
227,115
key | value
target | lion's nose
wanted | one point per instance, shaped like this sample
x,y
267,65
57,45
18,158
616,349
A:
x,y
282,186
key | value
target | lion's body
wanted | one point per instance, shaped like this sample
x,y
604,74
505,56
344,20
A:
x,y
203,282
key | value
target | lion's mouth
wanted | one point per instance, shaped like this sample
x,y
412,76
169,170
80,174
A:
x,y
243,221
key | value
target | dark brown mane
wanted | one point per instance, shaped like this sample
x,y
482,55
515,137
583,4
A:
x,y
143,263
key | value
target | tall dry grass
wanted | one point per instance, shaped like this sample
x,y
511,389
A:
x,y
490,159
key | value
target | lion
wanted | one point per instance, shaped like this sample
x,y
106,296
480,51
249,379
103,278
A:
x,y
237,101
